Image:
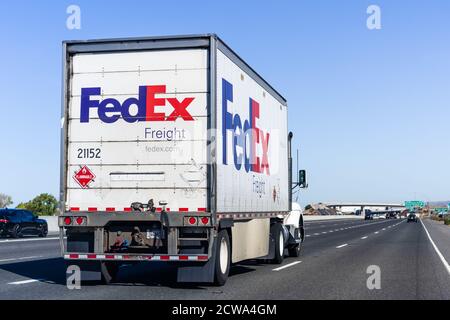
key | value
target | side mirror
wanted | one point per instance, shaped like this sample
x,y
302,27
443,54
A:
x,y
302,179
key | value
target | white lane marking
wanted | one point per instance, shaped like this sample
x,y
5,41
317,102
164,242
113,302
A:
x,y
444,262
286,266
21,258
364,237
342,245
324,232
376,232
384,229
308,235
331,231
316,234
25,281
28,240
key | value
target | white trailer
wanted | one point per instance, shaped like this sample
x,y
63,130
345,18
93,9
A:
x,y
173,149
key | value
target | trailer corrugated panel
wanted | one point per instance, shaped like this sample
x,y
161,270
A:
x,y
252,155
138,121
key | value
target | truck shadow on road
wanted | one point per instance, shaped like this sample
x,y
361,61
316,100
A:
x,y
45,270
53,271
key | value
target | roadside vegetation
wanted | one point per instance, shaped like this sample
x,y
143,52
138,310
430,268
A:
x,y
42,205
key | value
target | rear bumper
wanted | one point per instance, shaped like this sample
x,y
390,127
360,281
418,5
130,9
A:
x,y
130,257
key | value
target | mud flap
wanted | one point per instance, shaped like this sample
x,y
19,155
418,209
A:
x,y
198,272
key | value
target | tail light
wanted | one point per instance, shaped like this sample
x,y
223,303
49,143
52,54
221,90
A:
x,y
4,221
79,220
67,221
205,221
192,221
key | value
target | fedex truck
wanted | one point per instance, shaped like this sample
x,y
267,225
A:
x,y
173,150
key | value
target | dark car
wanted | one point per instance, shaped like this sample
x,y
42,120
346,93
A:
x,y
412,217
17,223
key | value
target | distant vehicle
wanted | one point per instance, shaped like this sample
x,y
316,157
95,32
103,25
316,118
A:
x,y
17,223
368,215
412,217
391,215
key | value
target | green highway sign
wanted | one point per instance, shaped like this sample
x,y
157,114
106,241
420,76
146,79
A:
x,y
440,210
414,204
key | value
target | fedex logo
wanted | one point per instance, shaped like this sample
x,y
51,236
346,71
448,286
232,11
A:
x,y
246,135
110,110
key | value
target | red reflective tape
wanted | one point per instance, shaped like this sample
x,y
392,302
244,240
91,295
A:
x,y
202,257
201,209
92,209
183,209
126,257
73,256
164,257
74,209
110,209
127,209
184,257
109,256
158,209
92,256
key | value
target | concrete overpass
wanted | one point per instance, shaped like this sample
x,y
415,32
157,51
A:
x,y
361,206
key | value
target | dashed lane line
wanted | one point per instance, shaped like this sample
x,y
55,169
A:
x,y
286,266
21,258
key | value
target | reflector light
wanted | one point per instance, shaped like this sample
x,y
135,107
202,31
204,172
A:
x,y
67,221
79,220
192,221
205,220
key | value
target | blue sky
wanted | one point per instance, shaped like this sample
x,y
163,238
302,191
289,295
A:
x,y
369,108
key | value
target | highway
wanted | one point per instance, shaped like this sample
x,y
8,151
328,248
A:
x,y
333,265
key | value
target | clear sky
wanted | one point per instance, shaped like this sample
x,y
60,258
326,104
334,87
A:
x,y
369,108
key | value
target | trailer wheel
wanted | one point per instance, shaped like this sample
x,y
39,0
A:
x,y
109,272
223,257
278,236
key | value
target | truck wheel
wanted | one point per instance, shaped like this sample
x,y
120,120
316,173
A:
x,y
294,250
278,236
109,272
223,257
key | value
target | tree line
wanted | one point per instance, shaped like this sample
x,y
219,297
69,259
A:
x,y
42,205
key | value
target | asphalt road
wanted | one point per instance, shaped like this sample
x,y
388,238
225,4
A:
x,y
333,265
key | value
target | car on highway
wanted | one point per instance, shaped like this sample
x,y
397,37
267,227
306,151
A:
x,y
412,217
18,223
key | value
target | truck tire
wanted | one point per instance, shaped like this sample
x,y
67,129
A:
x,y
109,272
278,236
294,250
223,258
